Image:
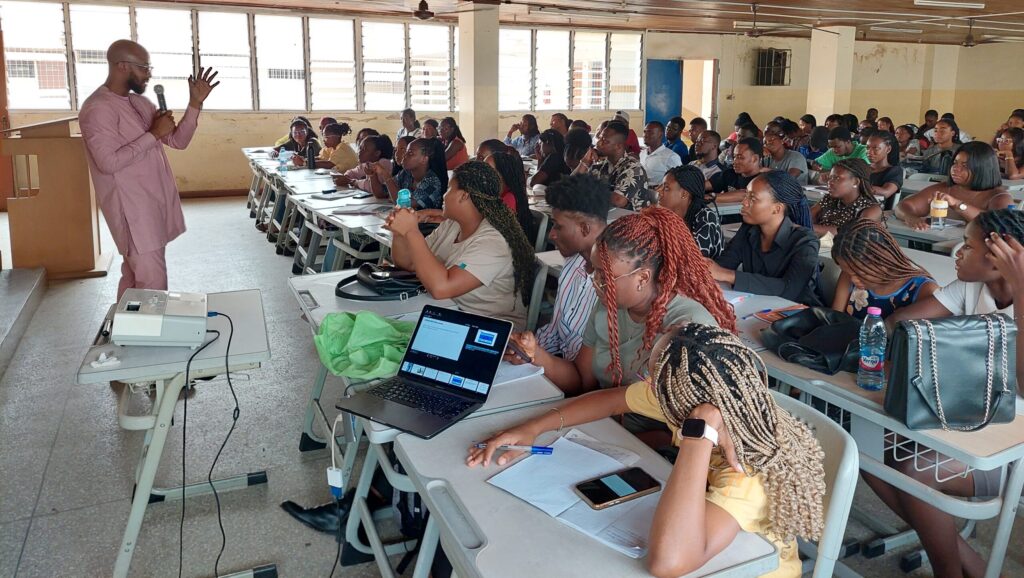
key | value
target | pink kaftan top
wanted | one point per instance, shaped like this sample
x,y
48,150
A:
x,y
130,172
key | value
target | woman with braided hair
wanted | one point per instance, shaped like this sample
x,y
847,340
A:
x,y
764,474
513,188
649,275
682,192
875,271
478,257
775,245
990,279
849,198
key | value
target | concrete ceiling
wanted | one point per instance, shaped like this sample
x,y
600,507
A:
x,y
900,20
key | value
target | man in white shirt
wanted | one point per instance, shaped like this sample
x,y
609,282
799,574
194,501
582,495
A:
x,y
657,159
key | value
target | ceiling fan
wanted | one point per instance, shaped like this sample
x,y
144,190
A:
x,y
780,28
423,11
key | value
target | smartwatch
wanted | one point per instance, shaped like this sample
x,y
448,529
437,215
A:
x,y
698,429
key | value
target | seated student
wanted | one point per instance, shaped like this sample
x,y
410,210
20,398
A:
x,y
489,147
560,124
833,121
455,152
577,144
909,146
840,146
430,129
423,173
410,126
866,124
849,198
682,192
641,292
657,159
939,156
781,158
807,123
742,120
697,127
632,142
626,176
299,140
885,124
872,115
529,136
552,159
962,137
478,257
365,132
513,188
705,156
875,271
373,150
580,124
851,123
579,212
729,146
1016,120
989,280
864,134
339,156
795,138
401,146
1010,149
974,186
817,144
775,245
673,139
287,137
886,174
730,185
764,475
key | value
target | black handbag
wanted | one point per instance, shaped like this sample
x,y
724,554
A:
x,y
818,338
957,373
387,283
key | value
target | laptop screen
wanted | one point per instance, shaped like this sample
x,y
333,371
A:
x,y
456,349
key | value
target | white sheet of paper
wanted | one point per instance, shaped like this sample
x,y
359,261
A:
x,y
546,482
625,526
508,373
619,453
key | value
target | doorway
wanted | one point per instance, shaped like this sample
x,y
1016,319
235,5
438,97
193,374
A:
x,y
700,91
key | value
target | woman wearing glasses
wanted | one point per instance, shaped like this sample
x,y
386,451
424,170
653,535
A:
x,y
779,158
649,275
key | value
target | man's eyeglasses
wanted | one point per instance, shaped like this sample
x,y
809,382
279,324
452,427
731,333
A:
x,y
147,67
602,285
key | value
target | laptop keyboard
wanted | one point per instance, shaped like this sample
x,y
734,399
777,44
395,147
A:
x,y
442,406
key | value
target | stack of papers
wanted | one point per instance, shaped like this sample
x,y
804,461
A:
x,y
361,209
547,482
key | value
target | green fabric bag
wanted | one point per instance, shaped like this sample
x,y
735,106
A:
x,y
362,345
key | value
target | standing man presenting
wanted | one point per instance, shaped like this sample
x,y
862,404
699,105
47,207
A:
x,y
124,136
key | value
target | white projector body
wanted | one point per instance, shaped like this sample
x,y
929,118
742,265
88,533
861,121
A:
x,y
165,318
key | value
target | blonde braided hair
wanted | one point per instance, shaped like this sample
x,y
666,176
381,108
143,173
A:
x,y
704,364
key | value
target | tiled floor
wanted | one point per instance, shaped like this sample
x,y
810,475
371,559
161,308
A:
x,y
65,466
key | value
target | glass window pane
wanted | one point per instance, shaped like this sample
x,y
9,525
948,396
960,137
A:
x,y
167,35
332,64
552,88
37,66
280,63
588,70
224,45
93,30
513,69
429,67
455,77
383,66
624,72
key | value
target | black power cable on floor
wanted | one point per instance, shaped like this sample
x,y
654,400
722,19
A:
x,y
184,421
234,421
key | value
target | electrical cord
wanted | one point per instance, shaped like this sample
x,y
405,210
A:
x,y
184,422
234,421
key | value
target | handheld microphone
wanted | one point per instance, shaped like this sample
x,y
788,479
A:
x,y
159,90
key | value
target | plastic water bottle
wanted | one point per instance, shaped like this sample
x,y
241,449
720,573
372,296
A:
x,y
404,199
282,163
870,371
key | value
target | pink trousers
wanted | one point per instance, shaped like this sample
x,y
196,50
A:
x,y
143,271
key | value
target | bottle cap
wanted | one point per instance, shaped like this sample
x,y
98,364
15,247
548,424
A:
x,y
874,311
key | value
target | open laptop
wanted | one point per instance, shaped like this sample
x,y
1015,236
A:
x,y
446,373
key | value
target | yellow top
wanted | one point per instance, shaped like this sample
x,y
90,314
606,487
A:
x,y
743,497
343,157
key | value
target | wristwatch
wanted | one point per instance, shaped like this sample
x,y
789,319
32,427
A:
x,y
962,207
698,429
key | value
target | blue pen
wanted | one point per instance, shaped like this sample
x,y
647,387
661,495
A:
x,y
535,450
748,316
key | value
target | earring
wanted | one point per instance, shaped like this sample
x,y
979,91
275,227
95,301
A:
x,y
639,287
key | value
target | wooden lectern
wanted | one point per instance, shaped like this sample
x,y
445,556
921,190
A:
x,y
54,219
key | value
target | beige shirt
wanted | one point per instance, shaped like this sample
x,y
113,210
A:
x,y
486,256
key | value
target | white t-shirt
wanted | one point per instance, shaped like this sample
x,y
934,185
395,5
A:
x,y
963,298
658,163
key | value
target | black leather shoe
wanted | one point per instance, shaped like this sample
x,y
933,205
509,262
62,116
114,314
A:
x,y
323,518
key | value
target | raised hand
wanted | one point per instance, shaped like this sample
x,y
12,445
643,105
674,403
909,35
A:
x,y
200,88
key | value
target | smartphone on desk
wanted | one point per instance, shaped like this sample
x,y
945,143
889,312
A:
x,y
617,487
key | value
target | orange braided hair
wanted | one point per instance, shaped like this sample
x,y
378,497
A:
x,y
658,239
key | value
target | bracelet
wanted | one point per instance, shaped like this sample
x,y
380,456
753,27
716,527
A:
x,y
561,419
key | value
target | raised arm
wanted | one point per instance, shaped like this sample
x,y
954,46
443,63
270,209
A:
x,y
439,281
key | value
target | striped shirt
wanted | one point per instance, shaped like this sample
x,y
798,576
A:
x,y
573,304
